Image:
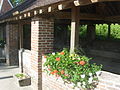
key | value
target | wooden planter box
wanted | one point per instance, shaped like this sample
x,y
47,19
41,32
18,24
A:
x,y
25,81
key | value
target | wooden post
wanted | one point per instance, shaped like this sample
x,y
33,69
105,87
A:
x,y
109,30
91,34
74,43
21,35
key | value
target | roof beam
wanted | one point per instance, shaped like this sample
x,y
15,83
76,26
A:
x,y
82,2
113,18
86,2
84,16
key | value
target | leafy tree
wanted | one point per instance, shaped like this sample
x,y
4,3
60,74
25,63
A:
x,y
16,2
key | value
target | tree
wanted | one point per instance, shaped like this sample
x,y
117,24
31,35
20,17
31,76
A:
x,y
16,2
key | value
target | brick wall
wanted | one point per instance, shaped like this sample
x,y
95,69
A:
x,y
107,81
42,34
12,43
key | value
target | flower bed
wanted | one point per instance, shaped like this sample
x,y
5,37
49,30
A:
x,y
73,69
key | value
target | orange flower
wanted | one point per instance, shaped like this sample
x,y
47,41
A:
x,y
45,56
58,59
52,73
62,53
82,63
55,71
62,72
66,75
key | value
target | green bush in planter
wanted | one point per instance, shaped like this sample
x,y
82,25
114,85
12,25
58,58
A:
x,y
20,75
73,68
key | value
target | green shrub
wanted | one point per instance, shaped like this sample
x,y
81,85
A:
x,y
20,75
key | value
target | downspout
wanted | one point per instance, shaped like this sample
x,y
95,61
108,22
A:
x,y
21,60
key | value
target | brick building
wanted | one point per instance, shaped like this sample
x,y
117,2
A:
x,y
5,5
30,34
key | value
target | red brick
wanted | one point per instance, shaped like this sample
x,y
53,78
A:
x,y
40,43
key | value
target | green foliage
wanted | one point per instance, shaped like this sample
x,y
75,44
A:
x,y
73,68
102,31
16,2
83,31
115,31
20,75
2,43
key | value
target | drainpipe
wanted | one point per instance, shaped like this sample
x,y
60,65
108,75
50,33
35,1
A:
x,y
21,60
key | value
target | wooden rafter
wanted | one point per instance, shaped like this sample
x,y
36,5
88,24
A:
x,y
84,16
53,8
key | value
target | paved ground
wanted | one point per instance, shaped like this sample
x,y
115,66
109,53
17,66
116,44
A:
x,y
109,64
7,81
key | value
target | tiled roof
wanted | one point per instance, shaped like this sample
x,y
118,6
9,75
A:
x,y
39,3
5,6
19,8
29,5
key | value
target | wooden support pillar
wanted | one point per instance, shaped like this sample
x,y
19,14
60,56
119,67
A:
x,y
91,32
74,43
109,30
21,35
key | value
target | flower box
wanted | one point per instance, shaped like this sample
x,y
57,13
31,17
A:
x,y
22,79
73,68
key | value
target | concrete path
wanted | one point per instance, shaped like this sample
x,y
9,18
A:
x,y
7,81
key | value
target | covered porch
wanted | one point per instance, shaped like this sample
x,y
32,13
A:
x,y
33,34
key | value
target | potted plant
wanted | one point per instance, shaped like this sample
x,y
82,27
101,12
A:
x,y
73,68
22,79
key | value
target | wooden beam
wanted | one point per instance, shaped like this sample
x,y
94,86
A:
x,y
82,2
16,18
64,6
44,10
50,9
87,2
35,12
60,7
40,11
91,32
20,17
25,15
113,18
29,14
74,43
82,16
104,0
